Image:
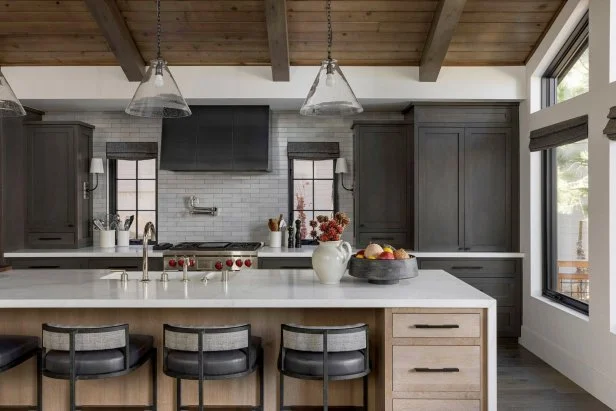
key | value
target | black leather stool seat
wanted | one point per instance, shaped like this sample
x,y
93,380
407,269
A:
x,y
13,347
99,362
311,363
215,363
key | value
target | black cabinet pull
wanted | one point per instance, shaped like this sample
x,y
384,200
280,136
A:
x,y
420,369
461,248
50,238
467,267
382,238
467,249
48,267
122,267
435,326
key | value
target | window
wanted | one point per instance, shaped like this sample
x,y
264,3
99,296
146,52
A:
x,y
133,191
312,183
566,263
568,75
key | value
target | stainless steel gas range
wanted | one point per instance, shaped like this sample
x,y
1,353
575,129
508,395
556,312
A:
x,y
211,256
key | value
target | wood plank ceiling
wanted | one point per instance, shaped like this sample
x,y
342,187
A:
x,y
235,32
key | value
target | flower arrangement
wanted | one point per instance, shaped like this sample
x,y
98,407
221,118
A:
x,y
331,229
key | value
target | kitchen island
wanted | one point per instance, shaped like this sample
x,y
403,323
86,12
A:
x,y
267,298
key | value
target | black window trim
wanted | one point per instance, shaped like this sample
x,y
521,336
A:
x,y
549,207
569,53
113,195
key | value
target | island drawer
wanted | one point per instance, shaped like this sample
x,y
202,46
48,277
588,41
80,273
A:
x,y
436,325
435,405
436,368
462,266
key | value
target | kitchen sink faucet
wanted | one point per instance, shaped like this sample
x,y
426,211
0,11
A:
x,y
148,232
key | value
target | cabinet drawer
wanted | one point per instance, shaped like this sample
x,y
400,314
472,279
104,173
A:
x,y
464,266
124,263
395,239
435,405
436,368
277,263
51,240
436,325
48,263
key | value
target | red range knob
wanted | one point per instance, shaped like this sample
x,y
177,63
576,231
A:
x,y
181,263
247,263
229,263
172,263
192,262
218,265
238,262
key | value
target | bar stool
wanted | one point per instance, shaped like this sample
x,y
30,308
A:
x,y
211,353
16,349
91,353
324,353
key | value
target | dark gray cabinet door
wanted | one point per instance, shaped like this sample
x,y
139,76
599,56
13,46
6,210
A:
x,y
51,179
382,181
487,189
250,138
178,142
439,189
215,139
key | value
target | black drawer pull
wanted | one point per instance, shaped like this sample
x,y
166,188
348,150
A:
x,y
50,238
467,267
122,267
48,267
436,369
382,238
437,326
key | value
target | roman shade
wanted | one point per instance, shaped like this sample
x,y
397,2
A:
x,y
132,151
610,128
565,132
313,151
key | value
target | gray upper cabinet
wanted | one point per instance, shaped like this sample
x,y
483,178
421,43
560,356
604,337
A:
x,y
58,158
440,187
382,182
217,138
465,187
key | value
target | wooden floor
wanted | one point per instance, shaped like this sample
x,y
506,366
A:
x,y
525,382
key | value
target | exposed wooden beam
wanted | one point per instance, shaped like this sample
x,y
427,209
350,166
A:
x,y
445,20
112,24
278,38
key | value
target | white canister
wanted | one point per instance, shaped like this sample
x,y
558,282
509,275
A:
x,y
107,238
123,238
275,239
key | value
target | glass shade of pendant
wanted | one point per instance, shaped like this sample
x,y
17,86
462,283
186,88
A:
x,y
330,94
9,104
158,95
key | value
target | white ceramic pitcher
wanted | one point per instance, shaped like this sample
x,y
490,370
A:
x,y
330,259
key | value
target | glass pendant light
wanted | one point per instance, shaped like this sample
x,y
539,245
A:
x,y
9,104
330,94
158,96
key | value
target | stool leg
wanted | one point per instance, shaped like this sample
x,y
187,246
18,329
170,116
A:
x,y
178,395
72,383
154,361
281,393
366,392
39,380
325,393
201,408
261,390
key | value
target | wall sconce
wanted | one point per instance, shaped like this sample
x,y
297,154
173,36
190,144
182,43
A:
x,y
96,168
341,168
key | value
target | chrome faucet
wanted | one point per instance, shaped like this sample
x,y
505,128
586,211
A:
x,y
185,266
148,232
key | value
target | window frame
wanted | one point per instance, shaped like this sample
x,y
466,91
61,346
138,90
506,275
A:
x,y
291,180
550,240
113,191
569,53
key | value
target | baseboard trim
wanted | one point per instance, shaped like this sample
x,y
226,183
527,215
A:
x,y
598,384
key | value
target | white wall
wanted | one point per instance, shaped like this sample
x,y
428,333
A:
x,y
583,348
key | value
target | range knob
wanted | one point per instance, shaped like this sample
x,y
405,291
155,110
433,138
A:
x,y
229,263
181,263
191,262
238,262
172,263
218,265
248,263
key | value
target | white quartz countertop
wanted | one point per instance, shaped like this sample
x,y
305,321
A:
x,y
265,252
306,252
246,289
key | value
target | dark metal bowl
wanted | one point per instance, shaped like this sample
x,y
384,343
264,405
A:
x,y
383,271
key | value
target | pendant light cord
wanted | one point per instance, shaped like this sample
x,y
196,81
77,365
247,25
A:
x,y
158,30
329,30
